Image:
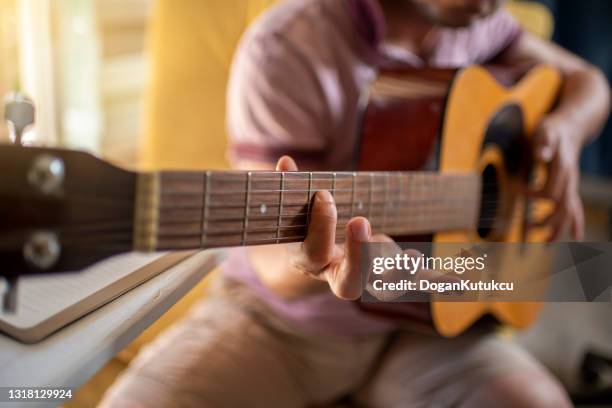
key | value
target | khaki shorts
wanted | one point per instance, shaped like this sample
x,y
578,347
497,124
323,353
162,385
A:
x,y
231,351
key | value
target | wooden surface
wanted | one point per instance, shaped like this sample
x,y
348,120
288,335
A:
x,y
70,357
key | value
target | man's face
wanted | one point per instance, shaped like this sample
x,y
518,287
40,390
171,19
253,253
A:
x,y
456,13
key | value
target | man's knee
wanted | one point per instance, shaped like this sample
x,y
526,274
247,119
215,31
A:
x,y
530,389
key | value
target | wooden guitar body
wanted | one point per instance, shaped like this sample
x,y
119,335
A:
x,y
463,121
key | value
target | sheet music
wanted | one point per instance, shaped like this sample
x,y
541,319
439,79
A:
x,y
55,300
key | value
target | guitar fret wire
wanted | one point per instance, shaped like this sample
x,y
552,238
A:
x,y
280,206
205,214
333,189
246,208
353,194
370,192
385,208
309,197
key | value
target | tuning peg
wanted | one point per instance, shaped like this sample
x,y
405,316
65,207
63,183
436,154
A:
x,y
19,110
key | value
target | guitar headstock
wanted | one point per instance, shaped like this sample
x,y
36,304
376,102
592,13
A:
x,y
61,210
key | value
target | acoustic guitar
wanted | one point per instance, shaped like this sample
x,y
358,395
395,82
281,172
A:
x,y
63,210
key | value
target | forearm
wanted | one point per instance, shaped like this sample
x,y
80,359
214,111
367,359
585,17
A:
x,y
584,102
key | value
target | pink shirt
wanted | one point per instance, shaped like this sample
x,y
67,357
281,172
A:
x,y
296,81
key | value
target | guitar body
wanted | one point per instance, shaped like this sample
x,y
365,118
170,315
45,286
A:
x,y
464,121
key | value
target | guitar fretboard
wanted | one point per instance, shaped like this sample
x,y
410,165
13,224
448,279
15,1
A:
x,y
214,209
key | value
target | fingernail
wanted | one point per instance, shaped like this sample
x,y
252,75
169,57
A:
x,y
324,196
360,231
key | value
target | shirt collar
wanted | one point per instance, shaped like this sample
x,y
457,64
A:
x,y
369,21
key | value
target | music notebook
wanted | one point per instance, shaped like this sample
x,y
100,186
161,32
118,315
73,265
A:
x,y
45,304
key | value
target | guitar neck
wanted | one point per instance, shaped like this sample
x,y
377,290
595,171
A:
x,y
178,210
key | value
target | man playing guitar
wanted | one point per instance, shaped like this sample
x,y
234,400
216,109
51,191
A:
x,y
278,330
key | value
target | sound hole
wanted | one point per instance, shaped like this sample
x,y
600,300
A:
x,y
505,130
490,202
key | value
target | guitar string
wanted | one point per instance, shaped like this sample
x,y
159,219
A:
x,y
411,197
398,211
249,241
291,217
409,224
167,242
378,209
273,203
404,211
127,227
296,202
409,204
396,229
240,175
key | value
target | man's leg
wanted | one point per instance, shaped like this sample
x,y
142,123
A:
x,y
474,370
233,352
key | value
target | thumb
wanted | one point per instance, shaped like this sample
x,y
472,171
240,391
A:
x,y
344,278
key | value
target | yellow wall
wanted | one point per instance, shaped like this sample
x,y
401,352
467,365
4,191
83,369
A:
x,y
191,44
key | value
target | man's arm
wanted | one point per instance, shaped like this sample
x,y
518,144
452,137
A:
x,y
583,108
585,98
